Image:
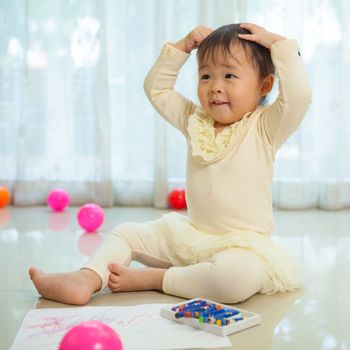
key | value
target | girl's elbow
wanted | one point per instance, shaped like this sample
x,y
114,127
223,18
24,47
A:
x,y
302,96
149,88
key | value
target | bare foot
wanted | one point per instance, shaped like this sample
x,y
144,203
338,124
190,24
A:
x,y
126,279
69,288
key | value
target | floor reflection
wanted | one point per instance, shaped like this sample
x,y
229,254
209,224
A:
x,y
58,221
4,217
88,242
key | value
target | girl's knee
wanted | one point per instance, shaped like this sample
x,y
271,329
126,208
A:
x,y
234,284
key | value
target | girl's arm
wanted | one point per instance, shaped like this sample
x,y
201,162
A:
x,y
283,117
160,81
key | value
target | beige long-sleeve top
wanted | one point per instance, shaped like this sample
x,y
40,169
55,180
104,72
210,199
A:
x,y
231,189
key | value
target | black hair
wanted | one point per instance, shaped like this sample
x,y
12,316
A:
x,y
226,37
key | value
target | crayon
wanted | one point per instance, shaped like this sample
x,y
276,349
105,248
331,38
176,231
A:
x,y
189,312
217,313
191,305
219,318
204,316
183,305
219,322
211,310
220,315
202,319
194,313
228,320
237,318
197,305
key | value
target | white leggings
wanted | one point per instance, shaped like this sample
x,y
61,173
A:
x,y
231,276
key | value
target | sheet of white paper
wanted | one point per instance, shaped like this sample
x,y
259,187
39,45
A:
x,y
139,327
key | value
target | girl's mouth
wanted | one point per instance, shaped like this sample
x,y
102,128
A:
x,y
219,103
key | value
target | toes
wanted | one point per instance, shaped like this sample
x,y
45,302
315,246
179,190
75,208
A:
x,y
114,282
114,278
116,268
114,287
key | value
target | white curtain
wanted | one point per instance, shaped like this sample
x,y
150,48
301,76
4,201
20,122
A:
x,y
73,113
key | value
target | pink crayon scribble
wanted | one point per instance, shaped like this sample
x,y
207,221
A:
x,y
143,318
50,326
117,320
53,325
134,321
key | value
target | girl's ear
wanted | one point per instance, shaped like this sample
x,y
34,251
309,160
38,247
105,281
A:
x,y
267,84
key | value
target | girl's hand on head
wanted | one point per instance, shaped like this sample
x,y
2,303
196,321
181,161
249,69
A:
x,y
193,39
260,35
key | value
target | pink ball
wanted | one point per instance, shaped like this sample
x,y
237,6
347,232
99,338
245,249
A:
x,y
58,199
90,217
91,335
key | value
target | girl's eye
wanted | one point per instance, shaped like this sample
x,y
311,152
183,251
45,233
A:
x,y
205,77
230,76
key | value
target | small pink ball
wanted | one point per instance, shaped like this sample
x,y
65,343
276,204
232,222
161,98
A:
x,y
90,217
58,199
91,335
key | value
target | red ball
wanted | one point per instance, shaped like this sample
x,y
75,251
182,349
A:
x,y
177,198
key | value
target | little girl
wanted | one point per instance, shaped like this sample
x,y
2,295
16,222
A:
x,y
223,249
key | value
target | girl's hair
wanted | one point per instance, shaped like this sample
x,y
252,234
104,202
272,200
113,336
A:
x,y
225,38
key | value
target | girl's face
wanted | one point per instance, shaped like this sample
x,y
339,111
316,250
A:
x,y
230,88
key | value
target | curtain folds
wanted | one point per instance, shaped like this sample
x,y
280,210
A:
x,y
73,113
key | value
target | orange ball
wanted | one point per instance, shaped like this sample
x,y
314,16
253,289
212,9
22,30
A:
x,y
4,196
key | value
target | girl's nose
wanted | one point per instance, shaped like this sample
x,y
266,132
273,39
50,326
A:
x,y
215,88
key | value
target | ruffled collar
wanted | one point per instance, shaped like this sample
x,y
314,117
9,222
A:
x,y
205,145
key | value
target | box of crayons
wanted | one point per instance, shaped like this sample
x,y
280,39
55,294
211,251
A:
x,y
212,317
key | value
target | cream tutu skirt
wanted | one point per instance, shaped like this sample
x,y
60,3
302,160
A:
x,y
189,245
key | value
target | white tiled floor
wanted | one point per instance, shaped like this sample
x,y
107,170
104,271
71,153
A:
x,y
316,317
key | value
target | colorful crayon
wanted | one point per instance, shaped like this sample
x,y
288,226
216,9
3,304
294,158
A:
x,y
191,305
207,313
222,315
